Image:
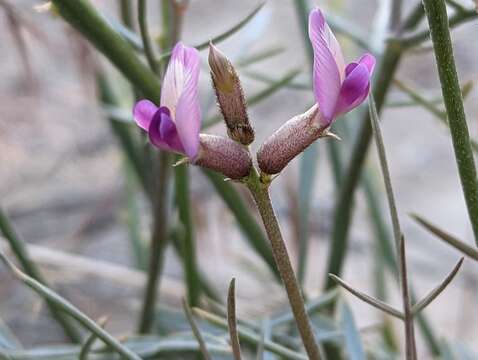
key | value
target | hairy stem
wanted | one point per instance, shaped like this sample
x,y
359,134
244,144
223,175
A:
x,y
435,11
261,196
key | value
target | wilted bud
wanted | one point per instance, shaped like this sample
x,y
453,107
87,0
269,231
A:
x,y
230,97
223,155
289,141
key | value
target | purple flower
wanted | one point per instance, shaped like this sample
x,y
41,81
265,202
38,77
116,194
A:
x,y
175,125
337,88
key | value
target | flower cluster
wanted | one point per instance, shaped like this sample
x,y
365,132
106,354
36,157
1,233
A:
x,y
175,125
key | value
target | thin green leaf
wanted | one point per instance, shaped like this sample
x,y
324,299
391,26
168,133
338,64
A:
x,y
250,337
450,239
410,346
70,309
21,253
232,322
368,299
438,290
196,331
353,342
86,348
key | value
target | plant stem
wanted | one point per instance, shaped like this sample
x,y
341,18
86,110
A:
x,y
260,193
126,12
143,28
435,11
158,242
19,250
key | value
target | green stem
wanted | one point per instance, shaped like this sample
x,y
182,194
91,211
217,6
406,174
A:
x,y
438,21
84,17
158,242
183,203
143,29
19,249
260,193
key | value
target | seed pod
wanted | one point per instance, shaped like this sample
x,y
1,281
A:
x,y
230,97
223,155
289,141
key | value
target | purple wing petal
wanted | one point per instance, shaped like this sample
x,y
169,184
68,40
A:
x,y
162,132
188,113
355,88
329,69
143,113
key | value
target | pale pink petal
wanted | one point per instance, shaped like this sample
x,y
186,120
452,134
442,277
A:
x,y
188,113
329,66
173,82
143,113
355,88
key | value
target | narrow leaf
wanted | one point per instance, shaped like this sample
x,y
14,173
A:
x,y
368,299
70,309
437,291
232,322
86,348
450,239
196,331
251,337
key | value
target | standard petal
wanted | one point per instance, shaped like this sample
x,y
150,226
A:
x,y
355,88
175,77
143,113
188,112
329,69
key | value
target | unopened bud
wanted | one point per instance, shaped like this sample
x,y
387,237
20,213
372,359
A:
x,y
223,155
230,97
289,141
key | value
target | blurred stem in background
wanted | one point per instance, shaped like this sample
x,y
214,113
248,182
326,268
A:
x,y
19,249
438,21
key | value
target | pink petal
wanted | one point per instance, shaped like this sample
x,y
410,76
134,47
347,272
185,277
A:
x,y
143,113
174,79
329,68
188,112
355,88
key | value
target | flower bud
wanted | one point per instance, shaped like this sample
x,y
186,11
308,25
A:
x,y
223,155
289,141
230,97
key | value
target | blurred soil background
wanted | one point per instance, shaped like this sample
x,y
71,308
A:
x,y
62,176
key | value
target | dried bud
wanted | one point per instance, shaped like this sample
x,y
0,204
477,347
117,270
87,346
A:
x,y
223,155
230,97
289,141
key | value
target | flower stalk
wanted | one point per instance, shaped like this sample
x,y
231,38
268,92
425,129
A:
x,y
260,193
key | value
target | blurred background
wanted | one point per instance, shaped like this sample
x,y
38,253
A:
x,y
64,182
